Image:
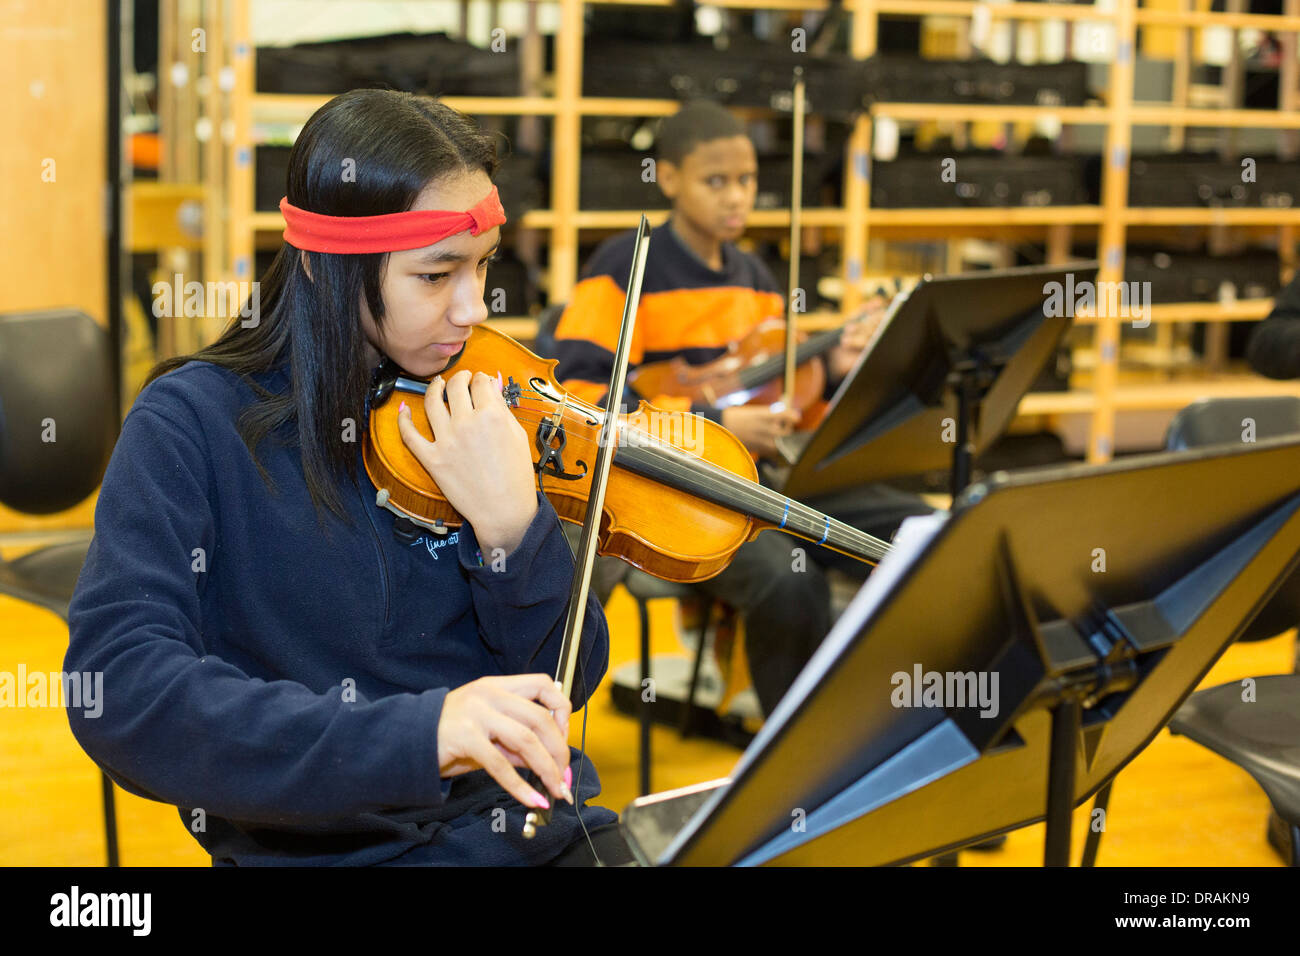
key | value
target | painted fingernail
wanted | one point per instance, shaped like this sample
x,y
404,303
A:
x,y
568,777
500,384
539,801
401,408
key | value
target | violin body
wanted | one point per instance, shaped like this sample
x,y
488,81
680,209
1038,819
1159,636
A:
x,y
668,532
730,380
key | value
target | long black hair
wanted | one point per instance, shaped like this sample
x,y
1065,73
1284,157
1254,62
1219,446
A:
x,y
394,144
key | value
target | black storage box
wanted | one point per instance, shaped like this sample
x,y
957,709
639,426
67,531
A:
x,y
909,79
612,179
433,64
1193,179
270,177
1177,276
982,179
746,73
509,286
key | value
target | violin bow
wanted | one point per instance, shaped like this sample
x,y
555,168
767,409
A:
x,y
796,243
586,556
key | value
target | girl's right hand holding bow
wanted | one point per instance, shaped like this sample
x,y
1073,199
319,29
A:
x,y
500,723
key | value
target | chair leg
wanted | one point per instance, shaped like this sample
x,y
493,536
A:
x,y
645,703
688,706
110,818
1283,837
1093,843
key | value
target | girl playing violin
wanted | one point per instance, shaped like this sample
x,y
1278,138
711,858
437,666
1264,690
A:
x,y
306,682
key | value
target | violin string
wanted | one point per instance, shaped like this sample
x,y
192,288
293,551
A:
x,y
759,501
778,507
814,522
725,485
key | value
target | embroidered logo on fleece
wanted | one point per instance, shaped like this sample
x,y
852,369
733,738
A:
x,y
434,543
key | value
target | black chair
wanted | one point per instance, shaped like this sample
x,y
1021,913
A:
x,y
643,588
1224,421
56,382
1260,737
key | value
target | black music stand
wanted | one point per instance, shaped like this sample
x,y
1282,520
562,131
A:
x,y
963,347
1099,596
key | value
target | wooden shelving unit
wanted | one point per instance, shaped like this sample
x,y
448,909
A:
x,y
561,226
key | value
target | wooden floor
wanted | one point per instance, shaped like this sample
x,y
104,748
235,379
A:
x,y
1177,804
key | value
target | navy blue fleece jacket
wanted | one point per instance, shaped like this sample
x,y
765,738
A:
x,y
288,682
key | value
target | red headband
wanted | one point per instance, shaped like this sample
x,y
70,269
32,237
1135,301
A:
x,y
413,229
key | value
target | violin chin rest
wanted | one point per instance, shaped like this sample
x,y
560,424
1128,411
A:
x,y
384,382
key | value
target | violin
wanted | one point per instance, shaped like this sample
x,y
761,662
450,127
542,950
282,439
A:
x,y
682,494
749,373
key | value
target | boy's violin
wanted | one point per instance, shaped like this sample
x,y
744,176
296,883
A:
x,y
750,372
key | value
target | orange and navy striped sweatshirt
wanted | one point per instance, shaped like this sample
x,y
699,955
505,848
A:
x,y
687,308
